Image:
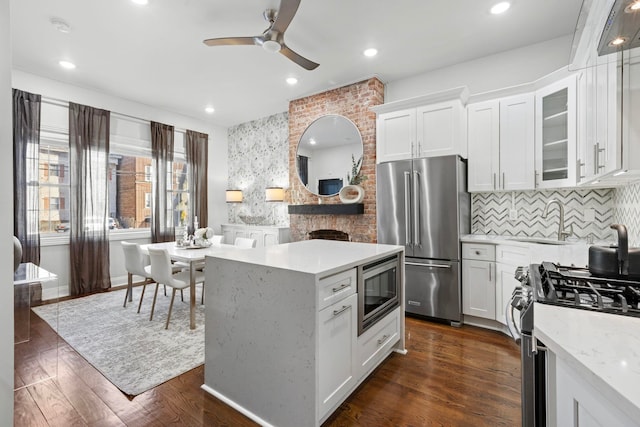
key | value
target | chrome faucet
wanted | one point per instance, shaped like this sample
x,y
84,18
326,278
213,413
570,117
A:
x,y
562,233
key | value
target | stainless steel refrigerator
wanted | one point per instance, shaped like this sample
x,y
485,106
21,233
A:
x,y
423,204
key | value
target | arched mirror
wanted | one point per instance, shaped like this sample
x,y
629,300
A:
x,y
325,154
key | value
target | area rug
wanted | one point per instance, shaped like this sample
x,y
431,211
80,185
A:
x,y
135,354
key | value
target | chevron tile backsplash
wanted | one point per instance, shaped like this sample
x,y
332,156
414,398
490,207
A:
x,y
490,213
626,210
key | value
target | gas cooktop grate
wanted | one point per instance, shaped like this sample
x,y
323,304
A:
x,y
576,287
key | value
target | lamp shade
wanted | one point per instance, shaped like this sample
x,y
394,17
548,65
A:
x,y
234,196
274,194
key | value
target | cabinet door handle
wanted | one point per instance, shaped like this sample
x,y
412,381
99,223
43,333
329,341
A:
x,y
579,165
342,310
504,183
600,150
494,181
383,339
489,271
341,287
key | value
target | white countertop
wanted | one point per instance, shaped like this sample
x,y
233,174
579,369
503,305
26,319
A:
x,y
571,252
313,256
605,348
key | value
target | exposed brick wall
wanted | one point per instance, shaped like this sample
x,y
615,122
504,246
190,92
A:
x,y
354,102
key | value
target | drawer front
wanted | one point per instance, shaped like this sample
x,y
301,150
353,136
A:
x,y
513,255
478,251
375,343
334,288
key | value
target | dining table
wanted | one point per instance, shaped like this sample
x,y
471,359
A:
x,y
193,256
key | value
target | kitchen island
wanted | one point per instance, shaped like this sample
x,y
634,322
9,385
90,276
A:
x,y
281,334
593,367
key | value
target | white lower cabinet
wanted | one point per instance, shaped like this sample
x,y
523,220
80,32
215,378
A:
x,y
337,331
488,278
376,342
578,403
264,235
478,280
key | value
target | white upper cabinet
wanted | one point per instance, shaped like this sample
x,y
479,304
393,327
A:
x,y
427,126
501,144
556,134
440,130
398,131
598,141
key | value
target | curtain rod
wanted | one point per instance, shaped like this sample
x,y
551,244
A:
x,y
65,103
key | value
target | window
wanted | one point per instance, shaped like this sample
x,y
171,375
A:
x,y
130,174
178,195
53,188
129,190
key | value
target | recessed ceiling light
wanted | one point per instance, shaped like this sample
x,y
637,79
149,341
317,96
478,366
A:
x,y
617,41
292,80
140,2
60,25
68,65
501,7
370,52
209,109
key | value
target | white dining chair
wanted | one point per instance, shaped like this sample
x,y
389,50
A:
x,y
216,239
245,242
136,264
161,272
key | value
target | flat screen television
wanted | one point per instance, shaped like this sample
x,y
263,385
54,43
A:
x,y
328,187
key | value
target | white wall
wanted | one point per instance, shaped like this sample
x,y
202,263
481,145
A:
x,y
54,252
498,71
6,223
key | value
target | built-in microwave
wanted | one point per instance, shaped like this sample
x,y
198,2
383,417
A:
x,y
378,290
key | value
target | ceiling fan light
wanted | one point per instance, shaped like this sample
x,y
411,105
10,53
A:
x,y
271,46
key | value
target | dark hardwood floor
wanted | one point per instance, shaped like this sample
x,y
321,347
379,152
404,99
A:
x,y
450,377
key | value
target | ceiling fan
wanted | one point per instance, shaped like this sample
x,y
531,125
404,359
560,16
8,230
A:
x,y
272,39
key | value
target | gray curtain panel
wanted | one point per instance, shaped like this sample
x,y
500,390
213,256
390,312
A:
x,y
197,154
89,165
162,229
26,145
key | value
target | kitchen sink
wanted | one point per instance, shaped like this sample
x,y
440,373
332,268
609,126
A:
x,y
539,241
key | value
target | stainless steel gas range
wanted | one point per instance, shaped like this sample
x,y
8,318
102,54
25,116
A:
x,y
570,287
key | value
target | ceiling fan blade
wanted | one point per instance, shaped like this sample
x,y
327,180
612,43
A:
x,y
230,41
300,60
287,11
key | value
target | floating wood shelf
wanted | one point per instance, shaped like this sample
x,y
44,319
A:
x,y
333,209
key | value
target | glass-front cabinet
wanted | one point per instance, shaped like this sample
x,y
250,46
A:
x,y
556,134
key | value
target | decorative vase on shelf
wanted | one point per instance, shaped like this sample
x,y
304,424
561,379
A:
x,y
351,194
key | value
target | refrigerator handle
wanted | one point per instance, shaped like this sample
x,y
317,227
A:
x,y
416,209
407,208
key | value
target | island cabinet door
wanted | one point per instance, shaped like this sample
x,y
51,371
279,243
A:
x,y
337,336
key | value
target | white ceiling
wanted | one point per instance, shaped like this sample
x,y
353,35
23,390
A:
x,y
154,54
